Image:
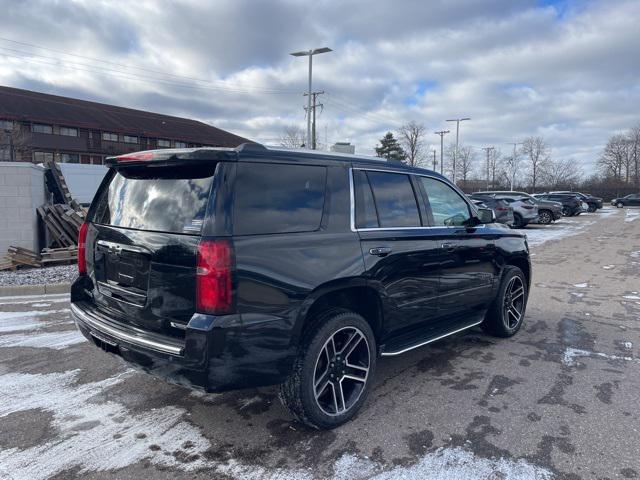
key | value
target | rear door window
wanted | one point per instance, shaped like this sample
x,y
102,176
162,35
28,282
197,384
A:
x,y
165,199
366,215
394,199
278,198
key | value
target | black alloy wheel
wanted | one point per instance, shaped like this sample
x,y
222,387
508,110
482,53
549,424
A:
x,y
545,217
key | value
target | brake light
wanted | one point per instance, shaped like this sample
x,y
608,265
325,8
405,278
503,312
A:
x,y
214,289
528,207
82,248
135,157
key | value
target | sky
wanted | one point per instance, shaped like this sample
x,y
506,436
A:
x,y
568,71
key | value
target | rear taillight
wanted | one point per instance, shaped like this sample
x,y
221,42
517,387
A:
x,y
135,157
528,207
82,249
214,286
502,209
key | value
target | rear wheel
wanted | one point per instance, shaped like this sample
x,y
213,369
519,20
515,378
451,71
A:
x,y
517,221
506,314
545,217
333,372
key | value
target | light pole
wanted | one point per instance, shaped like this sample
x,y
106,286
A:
x,y
442,133
514,166
488,150
310,54
455,153
434,159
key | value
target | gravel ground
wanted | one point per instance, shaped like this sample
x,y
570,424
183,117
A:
x,y
39,276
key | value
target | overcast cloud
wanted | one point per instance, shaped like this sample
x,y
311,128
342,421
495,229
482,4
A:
x,y
568,71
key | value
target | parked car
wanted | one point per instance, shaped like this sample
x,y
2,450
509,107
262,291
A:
x,y
502,210
593,203
548,211
632,200
228,268
525,211
571,204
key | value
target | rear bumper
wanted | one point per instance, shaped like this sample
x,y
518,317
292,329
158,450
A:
x,y
215,355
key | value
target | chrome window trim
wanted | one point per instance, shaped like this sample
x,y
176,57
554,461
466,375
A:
x,y
352,196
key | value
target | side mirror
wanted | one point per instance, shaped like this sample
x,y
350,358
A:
x,y
486,215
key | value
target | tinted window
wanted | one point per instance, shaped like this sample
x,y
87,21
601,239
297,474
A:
x,y
394,198
165,199
276,198
366,216
448,208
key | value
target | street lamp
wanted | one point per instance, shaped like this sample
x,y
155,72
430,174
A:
x,y
442,133
455,153
310,54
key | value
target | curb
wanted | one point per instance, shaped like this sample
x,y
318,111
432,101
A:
x,y
17,290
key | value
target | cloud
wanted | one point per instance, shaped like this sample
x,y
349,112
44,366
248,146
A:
x,y
565,70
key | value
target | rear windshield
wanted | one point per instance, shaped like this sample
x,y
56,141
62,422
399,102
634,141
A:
x,y
165,199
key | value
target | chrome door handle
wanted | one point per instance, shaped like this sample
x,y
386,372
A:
x,y
380,251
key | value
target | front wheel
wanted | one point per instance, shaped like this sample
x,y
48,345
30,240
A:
x,y
333,372
506,314
620,205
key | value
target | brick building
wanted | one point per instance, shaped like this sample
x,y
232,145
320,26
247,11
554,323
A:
x,y
36,126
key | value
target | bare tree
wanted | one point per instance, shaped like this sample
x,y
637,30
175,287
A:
x,y
494,163
13,141
411,136
561,174
293,137
465,163
536,153
615,157
634,151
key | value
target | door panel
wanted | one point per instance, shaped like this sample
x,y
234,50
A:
x,y
407,277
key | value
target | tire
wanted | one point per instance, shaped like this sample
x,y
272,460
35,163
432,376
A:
x,y
592,208
334,401
517,221
566,211
500,320
619,204
545,217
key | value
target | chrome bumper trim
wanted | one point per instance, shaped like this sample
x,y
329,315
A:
x,y
94,322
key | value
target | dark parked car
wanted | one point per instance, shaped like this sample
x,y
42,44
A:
x,y
632,200
228,268
548,211
571,203
593,202
502,210
525,211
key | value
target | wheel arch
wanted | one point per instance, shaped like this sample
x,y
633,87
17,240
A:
x,y
523,264
352,294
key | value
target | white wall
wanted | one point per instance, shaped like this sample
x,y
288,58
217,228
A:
x,y
83,180
21,192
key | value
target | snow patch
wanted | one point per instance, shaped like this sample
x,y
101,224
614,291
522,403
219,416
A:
x,y
627,345
555,231
631,297
570,354
581,285
608,267
53,340
631,215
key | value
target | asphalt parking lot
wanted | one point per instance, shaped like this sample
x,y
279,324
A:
x,y
559,400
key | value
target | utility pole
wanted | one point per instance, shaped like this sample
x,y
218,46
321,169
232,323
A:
x,y
455,153
313,106
442,133
310,54
488,150
434,159
514,165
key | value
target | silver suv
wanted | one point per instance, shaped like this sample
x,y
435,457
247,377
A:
x,y
525,210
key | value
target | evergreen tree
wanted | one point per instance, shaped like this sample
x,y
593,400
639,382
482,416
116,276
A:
x,y
390,148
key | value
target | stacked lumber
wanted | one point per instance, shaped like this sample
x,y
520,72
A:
x,y
59,255
60,185
63,223
22,256
6,264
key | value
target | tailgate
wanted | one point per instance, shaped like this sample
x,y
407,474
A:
x,y
141,254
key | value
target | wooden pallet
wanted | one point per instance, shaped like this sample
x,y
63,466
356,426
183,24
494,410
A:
x,y
63,223
6,264
23,256
59,255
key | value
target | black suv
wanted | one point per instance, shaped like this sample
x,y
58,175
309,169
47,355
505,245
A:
x,y
228,268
